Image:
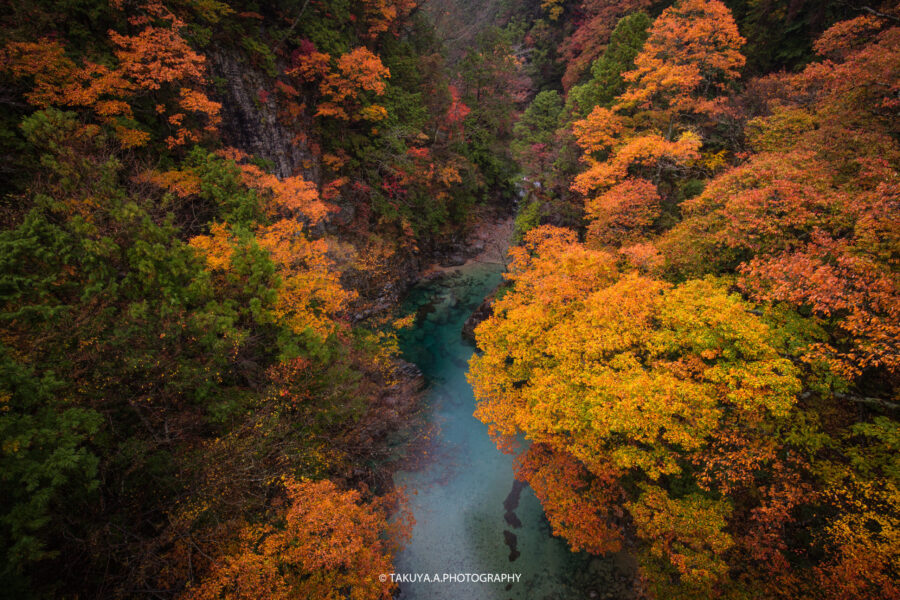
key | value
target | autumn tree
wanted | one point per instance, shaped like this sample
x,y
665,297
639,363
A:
x,y
330,545
626,374
606,82
382,16
624,213
587,42
650,156
691,56
344,83
155,59
648,134
807,219
580,505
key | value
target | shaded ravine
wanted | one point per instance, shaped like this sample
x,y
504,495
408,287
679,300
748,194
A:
x,y
471,516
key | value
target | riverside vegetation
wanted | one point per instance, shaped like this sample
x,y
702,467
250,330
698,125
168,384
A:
x,y
212,210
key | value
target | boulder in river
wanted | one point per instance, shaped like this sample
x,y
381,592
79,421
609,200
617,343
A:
x,y
484,310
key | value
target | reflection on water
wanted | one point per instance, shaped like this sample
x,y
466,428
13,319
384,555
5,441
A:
x,y
471,516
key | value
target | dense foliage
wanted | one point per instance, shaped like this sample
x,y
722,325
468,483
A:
x,y
186,407
200,394
705,368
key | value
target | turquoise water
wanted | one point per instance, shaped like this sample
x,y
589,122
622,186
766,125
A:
x,y
462,524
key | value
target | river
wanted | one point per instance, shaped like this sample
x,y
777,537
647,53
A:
x,y
471,516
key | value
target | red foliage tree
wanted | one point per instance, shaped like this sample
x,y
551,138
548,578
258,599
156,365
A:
x,y
587,42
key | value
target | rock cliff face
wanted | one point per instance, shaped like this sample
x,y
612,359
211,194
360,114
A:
x,y
250,124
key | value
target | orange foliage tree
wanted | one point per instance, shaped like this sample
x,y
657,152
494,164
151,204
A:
x,y
308,288
624,212
343,83
692,55
649,155
330,545
810,219
309,292
382,15
579,504
625,374
156,58
650,136
288,196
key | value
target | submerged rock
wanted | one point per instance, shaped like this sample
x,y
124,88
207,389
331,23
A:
x,y
512,503
512,541
484,310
